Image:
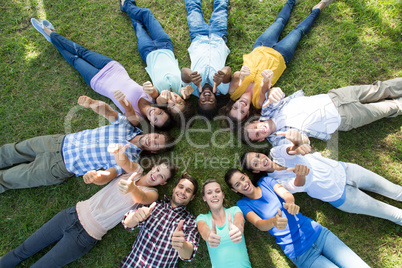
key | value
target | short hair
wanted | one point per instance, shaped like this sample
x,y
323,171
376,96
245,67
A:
x,y
187,176
208,113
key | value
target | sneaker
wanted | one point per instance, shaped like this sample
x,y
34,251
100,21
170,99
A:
x,y
326,2
48,25
39,27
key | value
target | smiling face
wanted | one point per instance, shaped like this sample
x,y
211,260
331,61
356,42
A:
x,y
259,162
213,195
242,184
156,116
258,131
175,103
183,193
152,142
158,175
240,109
207,100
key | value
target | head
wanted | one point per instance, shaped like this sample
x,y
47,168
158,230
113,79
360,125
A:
x,y
159,118
212,194
256,162
207,102
156,142
239,182
232,121
183,113
240,109
256,131
184,191
160,173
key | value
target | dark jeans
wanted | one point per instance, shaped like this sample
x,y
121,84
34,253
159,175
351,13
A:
x,y
287,45
64,229
150,34
85,61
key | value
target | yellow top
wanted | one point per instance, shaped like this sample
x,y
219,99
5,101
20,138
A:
x,y
258,60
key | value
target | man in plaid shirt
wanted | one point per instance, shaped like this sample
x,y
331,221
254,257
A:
x,y
51,159
167,230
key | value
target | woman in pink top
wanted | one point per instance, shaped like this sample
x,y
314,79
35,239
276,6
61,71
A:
x,y
107,77
76,230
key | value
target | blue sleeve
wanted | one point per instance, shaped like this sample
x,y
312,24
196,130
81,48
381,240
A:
x,y
245,208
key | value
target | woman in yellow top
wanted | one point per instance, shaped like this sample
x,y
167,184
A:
x,y
266,63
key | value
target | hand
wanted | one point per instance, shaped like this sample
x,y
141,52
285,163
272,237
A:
x,y
119,96
126,186
244,71
275,94
196,79
213,239
87,102
163,97
178,239
93,175
148,88
118,150
300,170
292,135
186,91
280,222
218,78
234,232
267,75
301,149
292,208
135,217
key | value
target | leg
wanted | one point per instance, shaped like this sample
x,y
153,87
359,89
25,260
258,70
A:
x,y
45,167
287,46
195,19
361,203
271,35
144,22
85,61
219,18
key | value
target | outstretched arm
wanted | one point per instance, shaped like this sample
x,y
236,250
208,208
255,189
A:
x,y
235,82
138,195
121,158
98,107
265,225
150,90
289,199
100,177
132,117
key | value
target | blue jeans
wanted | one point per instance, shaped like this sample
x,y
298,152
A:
x,y
85,61
72,240
287,45
150,34
359,202
218,22
329,251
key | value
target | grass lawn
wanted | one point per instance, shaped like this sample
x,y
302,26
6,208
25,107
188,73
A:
x,y
352,42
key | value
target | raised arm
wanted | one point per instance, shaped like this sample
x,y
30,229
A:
x,y
138,195
150,90
265,225
100,177
222,76
235,82
179,243
121,158
98,107
128,107
133,218
188,76
289,204
208,234
236,228
265,85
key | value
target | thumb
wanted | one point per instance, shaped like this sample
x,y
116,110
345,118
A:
x,y
292,152
279,213
152,206
267,103
285,206
180,225
214,88
213,230
283,133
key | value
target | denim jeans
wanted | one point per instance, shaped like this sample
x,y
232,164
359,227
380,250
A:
x,y
329,251
72,240
359,202
218,24
85,61
150,34
287,45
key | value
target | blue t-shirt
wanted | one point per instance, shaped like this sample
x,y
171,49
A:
x,y
227,254
301,231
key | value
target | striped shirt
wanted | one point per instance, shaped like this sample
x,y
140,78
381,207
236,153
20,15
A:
x,y
153,248
87,150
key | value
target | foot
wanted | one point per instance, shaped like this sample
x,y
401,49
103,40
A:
x,y
323,4
48,25
121,3
39,27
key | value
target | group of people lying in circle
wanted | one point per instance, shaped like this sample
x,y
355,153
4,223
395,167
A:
x,y
108,155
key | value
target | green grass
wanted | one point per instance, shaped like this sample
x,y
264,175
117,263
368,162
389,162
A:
x,y
352,42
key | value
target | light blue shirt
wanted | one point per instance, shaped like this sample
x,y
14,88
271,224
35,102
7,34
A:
x,y
208,55
163,68
87,150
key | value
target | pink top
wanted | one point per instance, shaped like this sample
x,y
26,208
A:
x,y
113,77
105,209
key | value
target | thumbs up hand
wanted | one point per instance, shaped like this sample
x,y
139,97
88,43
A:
x,y
178,236
292,208
234,232
279,221
141,214
213,239
126,186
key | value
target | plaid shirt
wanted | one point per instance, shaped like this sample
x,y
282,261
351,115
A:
x,y
272,111
87,150
153,248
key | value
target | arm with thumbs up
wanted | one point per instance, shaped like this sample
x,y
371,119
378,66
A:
x,y
209,235
129,111
289,204
179,243
133,218
138,195
121,158
236,228
100,177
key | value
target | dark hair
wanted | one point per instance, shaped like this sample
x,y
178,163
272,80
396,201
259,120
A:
x,y
208,181
168,123
169,141
208,113
231,121
243,161
172,167
229,174
187,176
187,113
